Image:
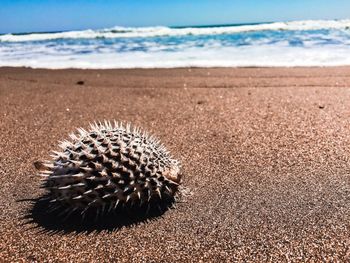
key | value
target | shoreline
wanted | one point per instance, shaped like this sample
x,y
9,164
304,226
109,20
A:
x,y
265,152
189,67
179,68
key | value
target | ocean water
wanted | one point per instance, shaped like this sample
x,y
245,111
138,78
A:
x,y
298,43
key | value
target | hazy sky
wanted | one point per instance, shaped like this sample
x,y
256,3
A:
x,y
56,15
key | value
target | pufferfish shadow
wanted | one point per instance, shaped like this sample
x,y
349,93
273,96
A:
x,y
53,220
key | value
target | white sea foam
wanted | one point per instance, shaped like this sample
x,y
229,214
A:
x,y
192,57
131,32
277,44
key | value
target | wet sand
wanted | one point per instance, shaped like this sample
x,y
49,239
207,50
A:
x,y
265,152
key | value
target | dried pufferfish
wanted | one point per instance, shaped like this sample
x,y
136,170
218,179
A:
x,y
110,167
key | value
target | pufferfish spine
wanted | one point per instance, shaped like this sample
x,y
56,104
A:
x,y
110,166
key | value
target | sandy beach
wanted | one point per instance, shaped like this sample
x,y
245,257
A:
x,y
265,152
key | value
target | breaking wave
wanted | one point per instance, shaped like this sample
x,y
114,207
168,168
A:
x,y
298,43
128,32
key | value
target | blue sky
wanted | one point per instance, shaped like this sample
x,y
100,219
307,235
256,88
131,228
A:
x,y
56,15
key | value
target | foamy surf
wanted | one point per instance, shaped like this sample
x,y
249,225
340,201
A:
x,y
129,32
298,43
